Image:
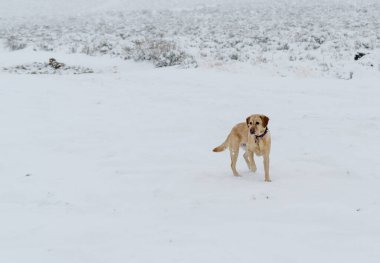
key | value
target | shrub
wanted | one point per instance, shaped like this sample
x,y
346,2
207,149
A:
x,y
14,43
162,53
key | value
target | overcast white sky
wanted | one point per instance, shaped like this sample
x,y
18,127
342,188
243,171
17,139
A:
x,y
10,8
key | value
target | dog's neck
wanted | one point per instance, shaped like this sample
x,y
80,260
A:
x,y
257,137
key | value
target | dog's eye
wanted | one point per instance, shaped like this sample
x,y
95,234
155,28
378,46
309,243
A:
x,y
250,123
257,123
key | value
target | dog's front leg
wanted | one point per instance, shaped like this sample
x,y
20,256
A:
x,y
266,167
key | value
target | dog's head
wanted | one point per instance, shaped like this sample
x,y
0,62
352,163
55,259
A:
x,y
257,124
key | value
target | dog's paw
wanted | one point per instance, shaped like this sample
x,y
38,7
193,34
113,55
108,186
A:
x,y
253,169
268,180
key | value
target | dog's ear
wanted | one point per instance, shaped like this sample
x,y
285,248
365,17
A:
x,y
247,120
265,120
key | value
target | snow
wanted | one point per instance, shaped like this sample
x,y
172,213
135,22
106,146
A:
x,y
287,38
117,165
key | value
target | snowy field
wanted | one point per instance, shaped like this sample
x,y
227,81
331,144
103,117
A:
x,y
288,38
117,165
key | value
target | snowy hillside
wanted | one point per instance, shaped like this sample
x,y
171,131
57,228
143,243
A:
x,y
107,160
297,38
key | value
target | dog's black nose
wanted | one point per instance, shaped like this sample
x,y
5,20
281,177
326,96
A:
x,y
252,131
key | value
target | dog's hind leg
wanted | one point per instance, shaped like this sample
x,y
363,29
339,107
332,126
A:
x,y
234,153
253,164
248,156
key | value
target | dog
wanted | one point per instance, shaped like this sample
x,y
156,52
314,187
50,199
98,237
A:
x,y
255,137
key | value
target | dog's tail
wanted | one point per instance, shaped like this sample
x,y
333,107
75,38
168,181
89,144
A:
x,y
222,147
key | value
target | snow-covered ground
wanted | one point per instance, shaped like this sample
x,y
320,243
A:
x,y
117,165
299,37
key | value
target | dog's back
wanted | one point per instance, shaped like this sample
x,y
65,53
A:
x,y
237,136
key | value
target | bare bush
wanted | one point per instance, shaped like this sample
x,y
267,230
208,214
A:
x,y
161,52
14,43
51,67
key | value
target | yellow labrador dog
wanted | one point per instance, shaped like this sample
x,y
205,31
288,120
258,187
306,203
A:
x,y
254,136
